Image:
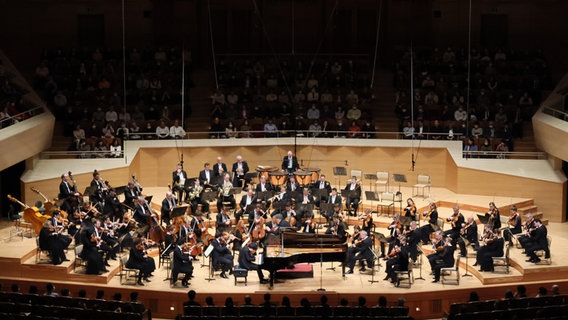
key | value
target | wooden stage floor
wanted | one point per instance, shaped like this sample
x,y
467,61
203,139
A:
x,y
426,299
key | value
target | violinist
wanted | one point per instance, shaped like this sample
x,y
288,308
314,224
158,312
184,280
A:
x,y
223,222
444,259
528,230
361,250
431,216
276,225
196,199
514,223
538,241
352,202
336,227
398,261
186,231
222,254
468,236
131,193
67,193
98,188
410,209
168,205
170,241
247,258
106,242
91,246
59,224
394,229
367,221
494,217
412,237
138,259
493,247
49,240
182,264
437,246
456,220
308,224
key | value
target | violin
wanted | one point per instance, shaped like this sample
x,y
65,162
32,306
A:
x,y
512,219
394,252
464,229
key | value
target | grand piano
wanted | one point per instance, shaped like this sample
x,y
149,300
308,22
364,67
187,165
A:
x,y
291,247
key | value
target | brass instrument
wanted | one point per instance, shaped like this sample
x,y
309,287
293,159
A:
x,y
195,192
225,189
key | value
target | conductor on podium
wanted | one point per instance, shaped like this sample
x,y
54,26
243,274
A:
x,y
290,163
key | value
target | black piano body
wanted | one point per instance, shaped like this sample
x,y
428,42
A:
x,y
293,247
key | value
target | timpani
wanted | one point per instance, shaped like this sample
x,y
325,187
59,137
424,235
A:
x,y
315,173
278,178
304,178
264,171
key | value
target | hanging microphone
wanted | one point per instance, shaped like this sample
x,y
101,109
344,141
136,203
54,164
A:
x,y
413,162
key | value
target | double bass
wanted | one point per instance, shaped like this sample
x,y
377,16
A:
x,y
31,215
156,232
48,205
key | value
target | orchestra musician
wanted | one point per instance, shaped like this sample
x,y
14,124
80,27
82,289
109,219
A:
x,y
367,218
336,228
281,197
538,241
109,249
198,225
110,238
143,212
394,229
308,224
170,240
138,259
49,240
131,193
494,217
444,259
437,245
493,248
431,217
91,246
352,201
249,200
397,261
361,250
292,185
514,223
168,205
529,228
263,185
247,258
186,231
225,193
206,175
98,187
290,163
182,264
223,221
307,199
468,235
412,237
456,220
289,214
179,176
240,169
255,214
410,209
67,193
276,225
321,184
219,168
112,205
334,197
60,225
196,199
222,254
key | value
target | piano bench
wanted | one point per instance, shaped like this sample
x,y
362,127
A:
x,y
240,273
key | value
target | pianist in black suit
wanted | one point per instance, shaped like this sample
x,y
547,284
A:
x,y
362,249
247,258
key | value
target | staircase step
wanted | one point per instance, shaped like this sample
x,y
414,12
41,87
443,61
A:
x,y
528,209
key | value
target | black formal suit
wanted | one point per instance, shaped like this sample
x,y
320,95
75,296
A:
x,y
112,207
427,228
203,177
335,200
525,239
98,191
275,229
137,260
90,252
49,240
445,260
454,232
353,200
397,263
362,251
537,242
167,206
181,264
246,261
130,195
412,240
471,236
177,186
64,239
292,186
237,178
290,164
216,169
318,185
142,214
307,199
267,187
486,253
336,229
185,233
66,192
222,255
516,229
246,202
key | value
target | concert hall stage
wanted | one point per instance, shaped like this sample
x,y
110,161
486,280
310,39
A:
x,y
425,299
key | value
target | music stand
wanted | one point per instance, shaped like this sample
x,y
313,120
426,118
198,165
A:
x,y
236,190
264,195
303,207
89,191
319,193
119,190
338,172
207,254
189,183
400,178
179,211
373,196
375,256
482,218
148,199
294,194
371,177
405,221
326,208
420,253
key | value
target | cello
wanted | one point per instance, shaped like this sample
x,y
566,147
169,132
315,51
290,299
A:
x,y
31,215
